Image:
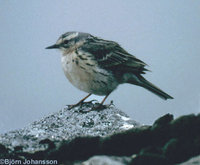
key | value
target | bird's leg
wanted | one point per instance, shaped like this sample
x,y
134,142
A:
x,y
101,106
104,99
80,102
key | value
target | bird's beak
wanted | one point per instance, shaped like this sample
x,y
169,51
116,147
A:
x,y
52,47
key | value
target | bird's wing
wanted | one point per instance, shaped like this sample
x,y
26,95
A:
x,y
110,55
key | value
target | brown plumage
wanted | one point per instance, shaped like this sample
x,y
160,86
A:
x,y
98,66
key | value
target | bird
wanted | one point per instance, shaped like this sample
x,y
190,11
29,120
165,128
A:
x,y
98,66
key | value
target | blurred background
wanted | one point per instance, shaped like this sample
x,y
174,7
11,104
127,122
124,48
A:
x,y
164,34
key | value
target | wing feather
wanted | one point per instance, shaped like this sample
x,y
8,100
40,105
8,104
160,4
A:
x,y
110,55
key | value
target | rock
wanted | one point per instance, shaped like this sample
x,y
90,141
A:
x,y
162,122
193,161
182,126
161,129
107,160
127,143
66,125
82,137
149,159
3,149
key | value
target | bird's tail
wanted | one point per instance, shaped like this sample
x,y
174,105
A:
x,y
141,81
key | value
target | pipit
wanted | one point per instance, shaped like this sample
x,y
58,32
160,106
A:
x,y
98,66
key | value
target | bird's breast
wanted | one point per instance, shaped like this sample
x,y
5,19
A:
x,y
85,74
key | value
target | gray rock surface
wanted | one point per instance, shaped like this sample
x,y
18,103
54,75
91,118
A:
x,y
83,137
107,160
68,124
193,161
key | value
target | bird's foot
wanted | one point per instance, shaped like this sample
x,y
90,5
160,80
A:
x,y
69,107
80,104
100,106
97,107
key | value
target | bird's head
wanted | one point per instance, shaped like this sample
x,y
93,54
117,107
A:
x,y
70,40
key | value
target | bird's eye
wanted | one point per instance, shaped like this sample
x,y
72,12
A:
x,y
65,42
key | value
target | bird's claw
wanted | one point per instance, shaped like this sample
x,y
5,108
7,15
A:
x,y
69,107
95,107
80,104
98,107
